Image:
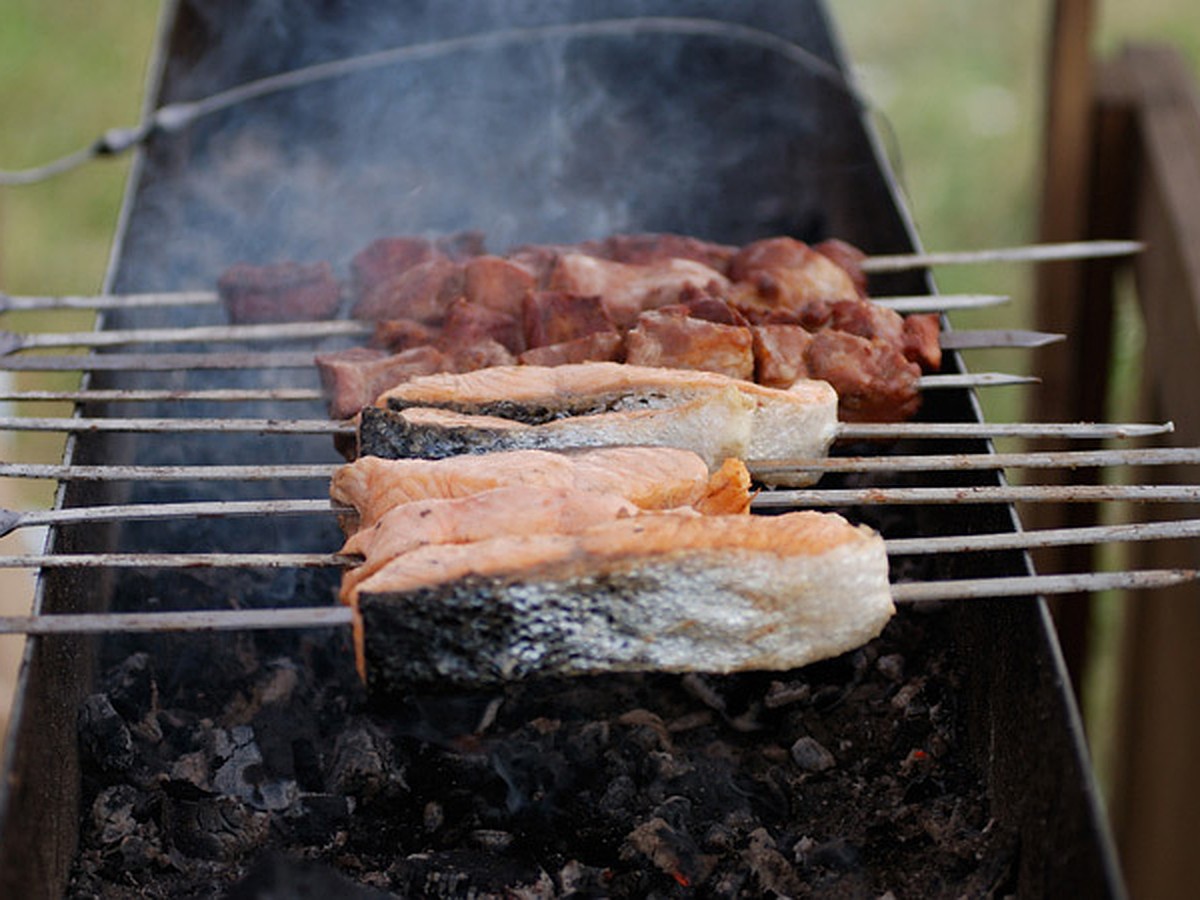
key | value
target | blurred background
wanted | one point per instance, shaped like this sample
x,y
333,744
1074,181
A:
x,y
957,89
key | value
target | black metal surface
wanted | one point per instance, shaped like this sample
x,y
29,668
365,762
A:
x,y
547,139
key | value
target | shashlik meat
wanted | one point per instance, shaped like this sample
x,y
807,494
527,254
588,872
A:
x,y
556,317
469,323
628,289
671,338
645,299
798,422
353,378
497,284
600,346
663,592
422,291
873,380
397,335
281,292
645,249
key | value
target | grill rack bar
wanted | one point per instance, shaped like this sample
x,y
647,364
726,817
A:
x,y
18,342
923,546
10,520
962,462
908,303
248,395
852,431
342,616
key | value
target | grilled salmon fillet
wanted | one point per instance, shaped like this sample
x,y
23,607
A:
x,y
800,421
648,477
664,592
716,425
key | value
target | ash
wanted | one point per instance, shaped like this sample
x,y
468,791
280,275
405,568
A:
x,y
264,770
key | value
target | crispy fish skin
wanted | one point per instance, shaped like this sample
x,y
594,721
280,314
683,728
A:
x,y
716,425
658,592
799,422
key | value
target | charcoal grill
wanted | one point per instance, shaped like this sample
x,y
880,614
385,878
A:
x,y
530,139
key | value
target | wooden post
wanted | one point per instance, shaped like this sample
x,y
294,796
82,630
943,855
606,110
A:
x,y
1062,304
1157,743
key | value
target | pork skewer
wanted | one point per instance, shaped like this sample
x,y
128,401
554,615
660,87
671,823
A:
x,y
871,265
247,395
923,546
14,342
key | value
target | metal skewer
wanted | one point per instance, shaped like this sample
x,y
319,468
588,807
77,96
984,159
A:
x,y
11,520
13,342
341,616
20,303
1029,253
960,462
870,432
247,395
923,546
1024,493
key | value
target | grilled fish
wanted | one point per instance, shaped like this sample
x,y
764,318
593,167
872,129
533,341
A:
x,y
800,421
716,425
648,477
664,592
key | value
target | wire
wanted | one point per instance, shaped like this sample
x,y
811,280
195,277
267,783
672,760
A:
x,y
176,116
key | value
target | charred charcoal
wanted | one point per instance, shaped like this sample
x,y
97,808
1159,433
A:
x,y
362,763
811,756
469,873
104,736
214,827
275,876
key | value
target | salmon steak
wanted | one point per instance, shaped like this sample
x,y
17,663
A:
x,y
647,477
715,425
661,592
799,422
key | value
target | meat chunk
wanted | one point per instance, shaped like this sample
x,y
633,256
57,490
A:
x,y
469,323
644,249
873,380
628,289
671,338
353,378
280,292
384,259
782,274
497,284
848,258
555,317
422,292
922,341
601,346
779,354
398,335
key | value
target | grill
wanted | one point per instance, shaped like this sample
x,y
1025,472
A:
x,y
552,139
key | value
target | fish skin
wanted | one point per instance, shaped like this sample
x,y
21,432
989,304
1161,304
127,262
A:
x,y
717,425
656,592
797,422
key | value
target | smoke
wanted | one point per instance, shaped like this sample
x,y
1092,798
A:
x,y
547,137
